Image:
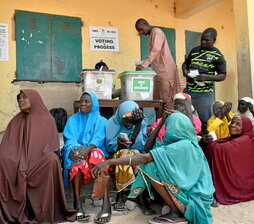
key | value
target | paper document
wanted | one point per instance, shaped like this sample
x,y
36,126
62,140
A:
x,y
213,135
137,63
193,74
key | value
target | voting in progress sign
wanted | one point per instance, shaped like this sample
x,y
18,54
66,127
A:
x,y
103,39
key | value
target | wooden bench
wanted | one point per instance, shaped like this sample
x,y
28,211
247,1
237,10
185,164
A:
x,y
157,104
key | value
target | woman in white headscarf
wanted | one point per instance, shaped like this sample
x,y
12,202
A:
x,y
245,107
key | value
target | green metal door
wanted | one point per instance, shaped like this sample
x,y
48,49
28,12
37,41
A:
x,y
192,39
66,48
33,46
48,47
170,36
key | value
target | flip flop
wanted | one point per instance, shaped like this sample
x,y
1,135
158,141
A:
x,y
215,204
164,220
81,216
148,211
103,215
119,206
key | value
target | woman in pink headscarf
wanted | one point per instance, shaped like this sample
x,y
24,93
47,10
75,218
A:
x,y
182,103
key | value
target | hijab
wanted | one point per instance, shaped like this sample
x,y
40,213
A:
x,y
83,130
248,112
29,135
248,100
115,126
181,164
27,158
247,126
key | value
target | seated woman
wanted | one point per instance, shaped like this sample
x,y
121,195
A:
x,y
178,171
185,100
31,186
129,121
231,162
84,136
182,103
245,107
221,119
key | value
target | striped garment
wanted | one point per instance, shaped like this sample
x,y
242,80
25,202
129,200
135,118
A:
x,y
206,62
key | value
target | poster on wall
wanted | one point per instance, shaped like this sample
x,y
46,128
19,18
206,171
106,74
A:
x,y
103,39
3,42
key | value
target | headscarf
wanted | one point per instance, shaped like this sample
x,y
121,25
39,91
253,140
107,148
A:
x,y
23,141
115,126
248,100
182,130
248,113
218,101
181,162
231,114
27,157
184,96
83,130
189,113
234,156
247,126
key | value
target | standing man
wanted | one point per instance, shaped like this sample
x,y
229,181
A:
x,y
166,82
211,67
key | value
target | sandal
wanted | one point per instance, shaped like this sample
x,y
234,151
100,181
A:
x,y
103,218
148,211
81,216
119,206
164,220
215,204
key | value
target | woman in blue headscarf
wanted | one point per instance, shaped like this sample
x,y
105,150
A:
x,y
84,136
125,136
178,171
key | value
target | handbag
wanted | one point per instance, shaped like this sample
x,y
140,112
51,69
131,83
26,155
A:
x,y
100,186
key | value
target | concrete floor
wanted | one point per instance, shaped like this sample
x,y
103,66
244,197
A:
x,y
224,214
93,207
